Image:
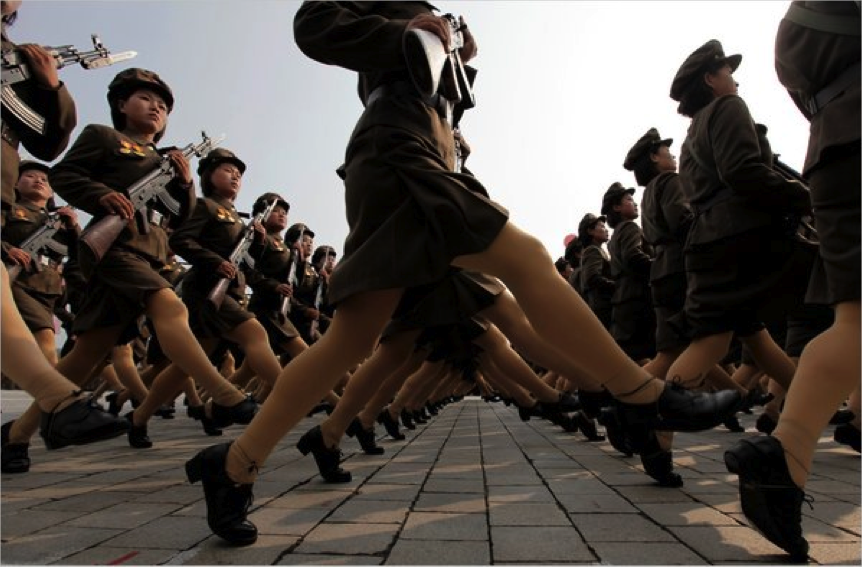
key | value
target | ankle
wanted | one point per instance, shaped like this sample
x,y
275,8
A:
x,y
239,467
646,391
330,438
228,398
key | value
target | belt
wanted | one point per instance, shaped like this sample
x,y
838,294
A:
x,y
9,135
435,101
825,95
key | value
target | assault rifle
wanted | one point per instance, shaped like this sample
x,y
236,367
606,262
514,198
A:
x,y
239,255
318,301
285,307
799,225
153,186
42,239
16,70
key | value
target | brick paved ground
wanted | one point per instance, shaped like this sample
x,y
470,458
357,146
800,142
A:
x,y
474,486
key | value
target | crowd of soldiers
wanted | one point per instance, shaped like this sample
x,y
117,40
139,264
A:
x,y
697,313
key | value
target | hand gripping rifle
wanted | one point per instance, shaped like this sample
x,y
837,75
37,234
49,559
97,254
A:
x,y
42,239
239,255
292,280
17,70
101,235
800,225
318,301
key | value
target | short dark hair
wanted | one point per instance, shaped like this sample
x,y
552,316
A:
x,y
561,264
645,169
698,94
573,251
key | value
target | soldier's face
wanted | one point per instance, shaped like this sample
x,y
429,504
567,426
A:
x,y
226,180
307,245
145,111
722,82
599,232
664,160
627,208
277,221
33,185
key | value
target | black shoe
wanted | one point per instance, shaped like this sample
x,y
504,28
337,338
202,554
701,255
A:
x,y
199,413
390,424
843,416
567,423
431,408
327,459
658,463
365,437
525,412
770,499
593,402
138,434
765,423
418,418
587,426
227,502
680,410
617,436
565,403
113,406
423,414
166,411
406,419
848,435
733,424
240,413
15,458
80,423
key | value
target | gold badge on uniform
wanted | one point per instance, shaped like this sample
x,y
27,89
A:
x,y
127,147
223,214
20,213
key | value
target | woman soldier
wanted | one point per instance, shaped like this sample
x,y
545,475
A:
x,y
65,418
597,286
125,283
817,57
300,238
411,217
323,261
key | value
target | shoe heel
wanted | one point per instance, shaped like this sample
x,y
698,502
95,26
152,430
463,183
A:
x,y
739,455
194,469
304,445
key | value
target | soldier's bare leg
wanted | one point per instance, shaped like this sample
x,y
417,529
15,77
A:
x,y
46,340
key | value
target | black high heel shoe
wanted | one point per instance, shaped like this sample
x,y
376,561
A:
x,y
16,457
227,502
82,422
113,406
680,410
765,423
407,420
617,435
138,437
587,426
849,435
593,402
240,413
199,413
391,425
327,460
366,438
770,499
658,463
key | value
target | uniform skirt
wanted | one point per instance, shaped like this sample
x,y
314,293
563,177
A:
x,y
409,214
835,196
37,310
205,320
668,298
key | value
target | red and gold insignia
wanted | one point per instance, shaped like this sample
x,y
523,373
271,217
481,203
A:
x,y
224,215
20,213
127,147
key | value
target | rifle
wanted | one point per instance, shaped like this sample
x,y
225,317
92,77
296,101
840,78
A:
x,y
101,235
285,307
43,238
238,255
798,225
318,300
17,70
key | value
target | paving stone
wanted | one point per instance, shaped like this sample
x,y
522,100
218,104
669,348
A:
x,y
367,511
213,552
619,528
838,514
386,492
646,554
306,499
654,494
106,555
537,545
439,553
338,538
723,544
125,516
610,503
166,532
835,553
34,521
451,485
590,486
685,514
451,503
294,559
527,514
519,494
279,521
47,546
445,526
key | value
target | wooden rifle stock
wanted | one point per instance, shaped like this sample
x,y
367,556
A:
x,y
101,235
14,272
216,295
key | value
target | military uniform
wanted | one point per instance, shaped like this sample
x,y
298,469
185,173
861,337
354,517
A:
x,y
103,160
36,292
817,58
205,241
271,270
404,202
58,109
303,298
597,283
632,316
738,251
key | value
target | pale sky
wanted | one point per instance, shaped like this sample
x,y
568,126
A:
x,y
564,89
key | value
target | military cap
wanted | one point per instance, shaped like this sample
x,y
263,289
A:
x,y
647,145
129,80
32,165
588,222
218,156
613,195
295,232
320,252
264,200
705,58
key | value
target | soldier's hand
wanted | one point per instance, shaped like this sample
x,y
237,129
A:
x,y
465,147
117,204
226,270
437,25
181,166
284,290
259,231
70,217
42,65
312,314
19,256
470,48
800,199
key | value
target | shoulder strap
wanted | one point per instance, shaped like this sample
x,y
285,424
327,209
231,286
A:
x,y
824,22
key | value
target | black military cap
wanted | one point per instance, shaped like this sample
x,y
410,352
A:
x,y
219,156
705,58
129,80
33,165
320,252
264,200
613,195
647,145
588,222
295,232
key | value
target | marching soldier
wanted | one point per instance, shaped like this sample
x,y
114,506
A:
x,y
596,282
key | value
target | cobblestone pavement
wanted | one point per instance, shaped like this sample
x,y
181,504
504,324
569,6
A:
x,y
474,486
